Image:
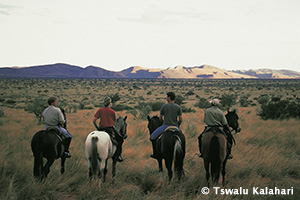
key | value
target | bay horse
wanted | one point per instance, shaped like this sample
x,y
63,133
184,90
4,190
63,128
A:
x,y
99,148
170,147
214,150
47,144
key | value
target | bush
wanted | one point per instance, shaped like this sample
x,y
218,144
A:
x,y
263,99
202,103
228,100
244,102
120,107
280,109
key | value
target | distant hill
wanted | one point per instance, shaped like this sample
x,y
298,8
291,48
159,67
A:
x,y
269,73
61,70
58,70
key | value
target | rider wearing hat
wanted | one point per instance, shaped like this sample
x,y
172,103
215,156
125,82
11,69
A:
x,y
214,118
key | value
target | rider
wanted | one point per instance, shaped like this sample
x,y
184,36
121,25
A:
x,y
107,118
53,116
171,115
215,118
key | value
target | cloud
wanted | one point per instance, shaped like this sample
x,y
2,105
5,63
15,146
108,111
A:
x,y
6,9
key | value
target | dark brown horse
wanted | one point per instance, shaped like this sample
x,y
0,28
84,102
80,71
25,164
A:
x,y
47,144
170,147
214,150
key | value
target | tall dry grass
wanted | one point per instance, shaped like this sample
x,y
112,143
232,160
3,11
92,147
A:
x,y
266,155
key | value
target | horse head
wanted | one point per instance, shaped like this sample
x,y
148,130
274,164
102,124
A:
x,y
232,119
153,123
121,126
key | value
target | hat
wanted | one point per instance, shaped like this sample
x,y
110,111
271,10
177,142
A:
x,y
107,100
215,102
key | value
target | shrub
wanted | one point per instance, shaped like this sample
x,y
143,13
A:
x,y
244,102
280,109
263,99
228,100
120,107
202,103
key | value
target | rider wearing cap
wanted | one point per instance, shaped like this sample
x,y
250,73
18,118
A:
x,y
107,118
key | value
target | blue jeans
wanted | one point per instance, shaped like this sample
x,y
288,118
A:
x,y
159,131
62,130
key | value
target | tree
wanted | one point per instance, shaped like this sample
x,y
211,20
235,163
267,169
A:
x,y
37,107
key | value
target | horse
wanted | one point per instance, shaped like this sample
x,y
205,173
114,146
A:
x,y
232,120
170,147
47,144
214,150
99,147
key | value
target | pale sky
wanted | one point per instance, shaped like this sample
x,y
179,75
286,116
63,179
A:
x,y
117,34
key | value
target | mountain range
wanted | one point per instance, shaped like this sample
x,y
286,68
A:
x,y
61,70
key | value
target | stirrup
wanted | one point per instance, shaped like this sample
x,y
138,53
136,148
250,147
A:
x,y
230,156
119,158
67,154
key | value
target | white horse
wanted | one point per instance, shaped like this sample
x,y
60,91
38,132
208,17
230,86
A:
x,y
99,147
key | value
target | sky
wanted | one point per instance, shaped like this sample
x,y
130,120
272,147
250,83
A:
x,y
118,34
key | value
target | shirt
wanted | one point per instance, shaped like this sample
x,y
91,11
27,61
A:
x,y
107,117
213,116
52,116
170,111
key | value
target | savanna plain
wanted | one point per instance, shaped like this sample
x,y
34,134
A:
x,y
266,153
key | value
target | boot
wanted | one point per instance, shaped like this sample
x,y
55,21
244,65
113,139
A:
x,y
67,143
118,153
154,155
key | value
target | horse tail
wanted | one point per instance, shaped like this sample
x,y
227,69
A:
x,y
214,158
178,156
94,156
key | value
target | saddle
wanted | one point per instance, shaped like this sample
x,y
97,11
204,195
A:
x,y
57,132
110,131
171,128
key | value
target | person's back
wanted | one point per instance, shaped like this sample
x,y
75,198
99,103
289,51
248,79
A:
x,y
107,117
170,111
213,116
52,116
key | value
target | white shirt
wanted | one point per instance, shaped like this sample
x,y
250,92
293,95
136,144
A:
x,y
52,116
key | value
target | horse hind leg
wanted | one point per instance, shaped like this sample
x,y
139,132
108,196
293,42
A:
x,y
169,167
38,166
206,166
103,169
46,168
224,172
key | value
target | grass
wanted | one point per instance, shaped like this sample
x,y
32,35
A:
x,y
266,155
